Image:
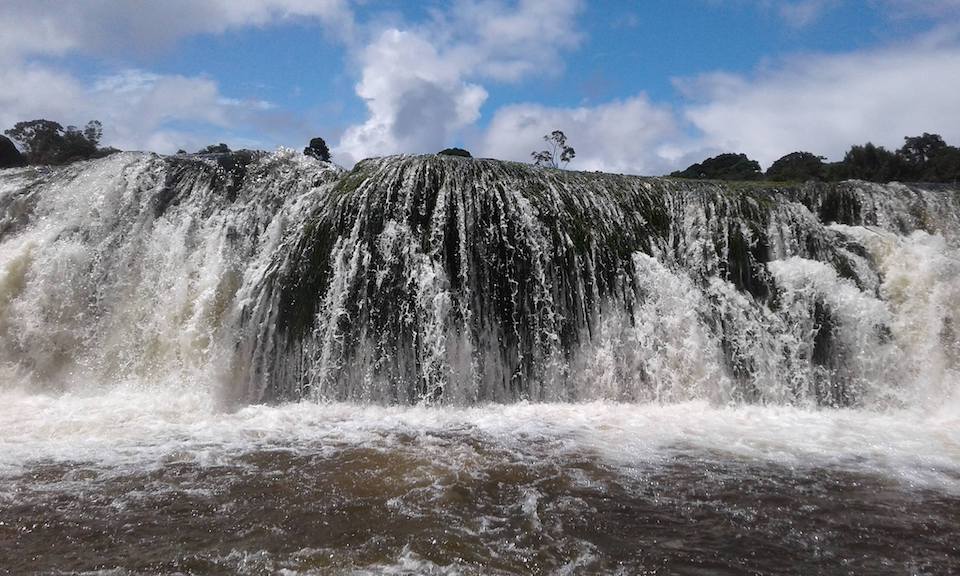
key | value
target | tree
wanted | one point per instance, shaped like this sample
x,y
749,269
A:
x,y
220,148
318,149
46,141
722,167
944,165
455,152
797,167
41,140
918,150
76,144
873,163
93,131
557,152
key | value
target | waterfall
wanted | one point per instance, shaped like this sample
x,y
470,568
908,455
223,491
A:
x,y
137,267
442,279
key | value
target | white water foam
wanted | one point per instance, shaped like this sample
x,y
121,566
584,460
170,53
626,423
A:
x,y
129,429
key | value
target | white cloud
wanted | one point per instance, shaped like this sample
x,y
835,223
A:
x,y
421,82
630,136
508,40
119,27
818,103
416,99
422,86
136,107
925,8
826,103
32,91
425,84
801,13
139,109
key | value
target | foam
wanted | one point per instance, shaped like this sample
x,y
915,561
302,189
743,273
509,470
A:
x,y
130,428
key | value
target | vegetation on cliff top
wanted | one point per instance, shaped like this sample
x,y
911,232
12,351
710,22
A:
x,y
926,158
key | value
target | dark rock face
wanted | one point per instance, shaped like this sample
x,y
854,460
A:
x,y
232,167
10,157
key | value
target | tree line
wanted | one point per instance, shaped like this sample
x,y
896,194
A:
x,y
926,158
45,142
48,142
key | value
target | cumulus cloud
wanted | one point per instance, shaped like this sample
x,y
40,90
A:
x,y
631,136
416,98
52,27
425,86
826,103
425,83
139,109
508,41
422,84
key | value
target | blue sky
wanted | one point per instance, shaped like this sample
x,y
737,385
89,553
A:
x,y
639,87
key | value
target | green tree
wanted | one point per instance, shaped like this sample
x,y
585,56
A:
x,y
318,149
722,167
41,140
455,152
93,132
220,148
873,163
47,142
797,167
944,165
917,153
557,152
918,150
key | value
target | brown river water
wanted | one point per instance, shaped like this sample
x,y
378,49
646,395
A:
x,y
135,483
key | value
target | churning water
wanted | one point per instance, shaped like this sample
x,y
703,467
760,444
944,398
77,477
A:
x,y
451,366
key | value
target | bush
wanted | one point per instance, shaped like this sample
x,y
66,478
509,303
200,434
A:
x,y
220,148
455,152
47,142
722,167
944,165
318,149
873,163
797,167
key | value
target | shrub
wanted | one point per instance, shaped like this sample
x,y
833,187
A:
x,y
318,149
797,167
722,167
455,152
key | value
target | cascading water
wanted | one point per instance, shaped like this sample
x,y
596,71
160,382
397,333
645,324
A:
x,y
448,365
137,267
475,281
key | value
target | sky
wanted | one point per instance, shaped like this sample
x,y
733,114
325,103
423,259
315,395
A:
x,y
639,87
